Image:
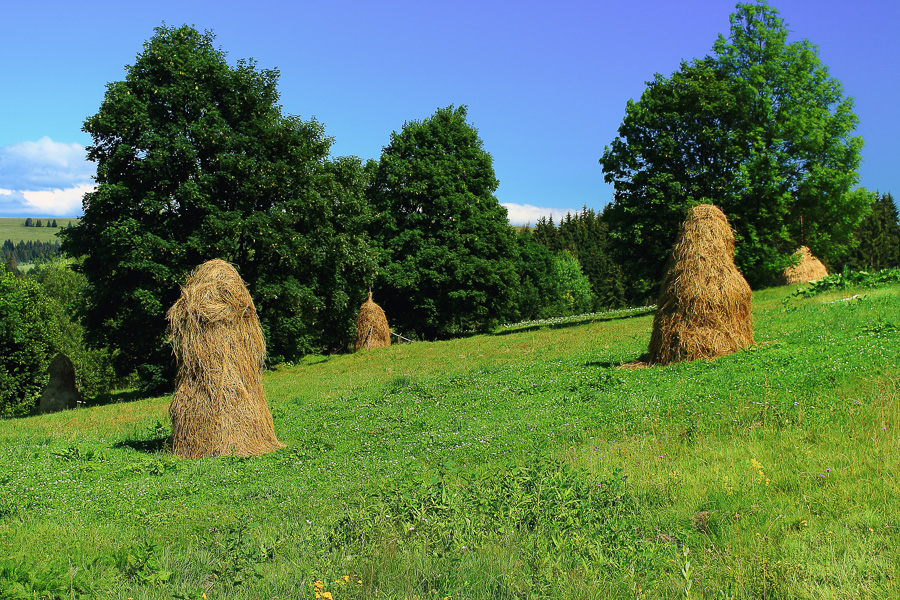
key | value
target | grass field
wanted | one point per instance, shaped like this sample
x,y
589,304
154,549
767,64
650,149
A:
x,y
14,229
522,464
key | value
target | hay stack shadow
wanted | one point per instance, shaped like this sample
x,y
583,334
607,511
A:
x,y
219,407
60,392
809,268
703,309
372,330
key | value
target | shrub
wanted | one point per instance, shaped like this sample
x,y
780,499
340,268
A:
x,y
65,290
27,343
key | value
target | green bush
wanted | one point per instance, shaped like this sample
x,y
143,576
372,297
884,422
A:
x,y
575,294
28,333
65,289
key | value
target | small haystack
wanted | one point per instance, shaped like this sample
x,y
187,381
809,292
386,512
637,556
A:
x,y
219,407
60,393
703,309
809,268
372,330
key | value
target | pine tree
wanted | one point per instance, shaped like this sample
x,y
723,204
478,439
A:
x,y
878,235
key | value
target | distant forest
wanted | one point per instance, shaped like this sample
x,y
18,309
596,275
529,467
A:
x,y
27,252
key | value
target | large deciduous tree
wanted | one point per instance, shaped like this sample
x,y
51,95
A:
x,y
759,129
448,252
195,161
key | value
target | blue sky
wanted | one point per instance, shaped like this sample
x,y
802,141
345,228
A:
x,y
545,83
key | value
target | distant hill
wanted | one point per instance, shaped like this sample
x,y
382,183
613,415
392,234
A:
x,y
14,229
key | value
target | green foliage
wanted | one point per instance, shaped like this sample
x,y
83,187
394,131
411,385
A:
x,y
574,290
761,131
140,563
878,235
447,251
847,279
27,252
586,236
22,581
538,288
65,290
550,285
28,336
196,161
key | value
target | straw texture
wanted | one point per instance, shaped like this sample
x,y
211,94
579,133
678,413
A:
x,y
808,269
704,305
372,330
219,407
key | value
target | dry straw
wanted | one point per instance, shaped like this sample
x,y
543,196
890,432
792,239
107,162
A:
x,y
703,309
219,407
808,268
372,330
60,392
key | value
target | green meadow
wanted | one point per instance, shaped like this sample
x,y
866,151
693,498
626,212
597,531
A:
x,y
528,463
14,229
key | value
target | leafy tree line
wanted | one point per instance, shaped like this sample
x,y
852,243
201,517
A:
x,y
758,128
26,252
195,160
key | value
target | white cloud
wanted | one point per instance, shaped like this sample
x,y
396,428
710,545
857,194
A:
x,y
523,214
56,203
44,178
43,165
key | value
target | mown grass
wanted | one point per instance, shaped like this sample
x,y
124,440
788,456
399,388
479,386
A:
x,y
524,464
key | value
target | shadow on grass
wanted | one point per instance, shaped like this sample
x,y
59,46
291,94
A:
x,y
115,398
605,364
573,323
151,446
640,362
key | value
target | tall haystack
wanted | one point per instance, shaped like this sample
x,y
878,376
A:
x,y
60,393
219,407
372,330
809,268
703,309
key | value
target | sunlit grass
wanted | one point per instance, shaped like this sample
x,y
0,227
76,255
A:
x,y
523,464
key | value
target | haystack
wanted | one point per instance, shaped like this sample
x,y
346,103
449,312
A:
x,y
372,330
60,393
809,268
703,309
219,407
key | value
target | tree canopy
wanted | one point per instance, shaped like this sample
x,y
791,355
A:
x,y
447,250
759,129
196,161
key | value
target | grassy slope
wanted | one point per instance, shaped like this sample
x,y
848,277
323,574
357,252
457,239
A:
x,y
524,464
14,229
